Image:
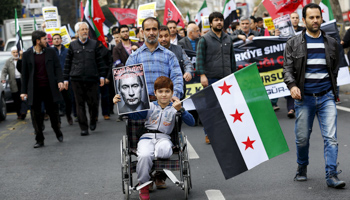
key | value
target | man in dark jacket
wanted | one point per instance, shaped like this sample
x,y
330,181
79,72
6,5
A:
x,y
66,105
86,70
190,42
310,71
215,53
174,36
42,82
245,33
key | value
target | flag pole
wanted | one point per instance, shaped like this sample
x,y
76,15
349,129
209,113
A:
x,y
260,3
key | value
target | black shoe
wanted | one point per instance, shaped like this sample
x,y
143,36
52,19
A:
x,y
301,173
59,135
92,126
38,144
23,116
60,138
69,120
334,182
84,133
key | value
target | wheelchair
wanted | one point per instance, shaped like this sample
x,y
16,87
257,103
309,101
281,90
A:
x,y
177,162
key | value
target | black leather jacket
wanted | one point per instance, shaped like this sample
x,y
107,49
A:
x,y
84,62
295,57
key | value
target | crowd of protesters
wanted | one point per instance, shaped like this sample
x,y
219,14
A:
x,y
60,81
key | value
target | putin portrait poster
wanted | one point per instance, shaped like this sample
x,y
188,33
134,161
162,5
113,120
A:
x,y
130,84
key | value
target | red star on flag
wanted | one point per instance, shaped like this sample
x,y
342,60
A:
x,y
196,20
201,14
248,143
237,116
322,10
229,8
225,88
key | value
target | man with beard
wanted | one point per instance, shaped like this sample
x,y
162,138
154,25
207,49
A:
x,y
185,63
157,60
42,81
310,71
174,36
215,54
86,70
66,106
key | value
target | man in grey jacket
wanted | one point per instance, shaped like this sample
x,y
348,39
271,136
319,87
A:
x,y
215,54
14,79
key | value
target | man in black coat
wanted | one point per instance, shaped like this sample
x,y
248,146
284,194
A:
x,y
42,81
190,42
85,68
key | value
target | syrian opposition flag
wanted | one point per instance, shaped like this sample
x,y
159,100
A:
x,y
240,122
229,13
327,13
35,25
188,17
172,13
94,17
203,11
19,41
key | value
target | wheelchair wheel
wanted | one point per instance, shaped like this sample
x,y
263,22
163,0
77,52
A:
x,y
125,166
186,187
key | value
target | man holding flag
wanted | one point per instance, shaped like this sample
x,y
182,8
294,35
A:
x,y
310,71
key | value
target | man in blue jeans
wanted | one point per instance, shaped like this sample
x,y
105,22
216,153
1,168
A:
x,y
310,71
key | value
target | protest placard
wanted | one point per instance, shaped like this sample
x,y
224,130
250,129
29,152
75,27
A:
x,y
65,36
130,83
284,25
268,23
205,23
50,15
144,11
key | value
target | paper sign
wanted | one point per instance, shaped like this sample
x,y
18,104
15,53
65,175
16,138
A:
x,y
51,32
50,15
268,23
205,23
144,11
66,40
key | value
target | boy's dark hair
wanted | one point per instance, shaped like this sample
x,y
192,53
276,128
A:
x,y
214,15
164,28
163,82
259,19
150,18
56,35
123,26
37,35
171,21
311,5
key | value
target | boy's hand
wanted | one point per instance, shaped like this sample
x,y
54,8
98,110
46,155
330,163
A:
x,y
177,105
116,98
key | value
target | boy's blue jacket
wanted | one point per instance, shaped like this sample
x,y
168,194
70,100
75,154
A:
x,y
160,119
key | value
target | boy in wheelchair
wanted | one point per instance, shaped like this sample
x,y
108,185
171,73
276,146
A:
x,y
155,141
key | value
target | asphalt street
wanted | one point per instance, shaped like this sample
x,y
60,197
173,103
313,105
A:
x,y
89,167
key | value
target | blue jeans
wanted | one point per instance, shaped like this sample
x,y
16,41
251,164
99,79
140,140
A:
x,y
325,110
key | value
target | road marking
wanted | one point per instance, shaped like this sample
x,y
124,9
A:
x,y
214,195
192,154
343,108
3,136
